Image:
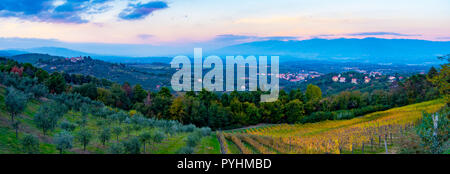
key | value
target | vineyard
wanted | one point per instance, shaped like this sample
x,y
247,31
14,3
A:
x,y
377,132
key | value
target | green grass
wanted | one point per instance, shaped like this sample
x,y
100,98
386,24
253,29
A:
x,y
208,145
232,147
170,145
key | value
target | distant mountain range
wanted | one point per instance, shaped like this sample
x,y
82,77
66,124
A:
x,y
369,50
373,50
35,53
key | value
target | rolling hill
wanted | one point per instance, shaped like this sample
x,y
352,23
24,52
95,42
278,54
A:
x,y
150,76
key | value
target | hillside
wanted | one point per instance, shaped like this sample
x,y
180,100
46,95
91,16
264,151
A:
x,y
368,132
34,58
64,52
151,76
9,144
361,82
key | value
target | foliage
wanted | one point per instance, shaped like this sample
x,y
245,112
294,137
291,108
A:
x,y
132,146
63,141
47,116
15,102
56,83
105,135
67,126
30,144
434,130
84,136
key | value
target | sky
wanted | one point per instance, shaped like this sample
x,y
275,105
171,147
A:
x,y
184,23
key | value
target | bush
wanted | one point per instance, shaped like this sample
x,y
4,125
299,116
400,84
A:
x,y
68,126
186,150
344,115
188,128
132,146
205,131
39,91
116,148
192,140
63,141
318,116
30,144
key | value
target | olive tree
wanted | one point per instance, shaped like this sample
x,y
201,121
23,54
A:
x,y
105,135
30,144
46,118
144,138
63,141
15,102
16,126
116,148
132,146
117,130
84,136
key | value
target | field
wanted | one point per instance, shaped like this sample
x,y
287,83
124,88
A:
x,y
373,133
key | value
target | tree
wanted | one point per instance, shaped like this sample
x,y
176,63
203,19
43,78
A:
x,y
88,90
128,129
442,80
39,90
253,114
294,111
117,130
56,83
67,126
313,92
105,135
158,136
144,138
296,94
116,148
63,141
84,136
432,73
139,94
47,117
42,75
15,102
16,126
132,146
176,109
161,104
434,130
272,112
119,97
30,144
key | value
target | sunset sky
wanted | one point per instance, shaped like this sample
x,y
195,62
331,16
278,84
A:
x,y
174,22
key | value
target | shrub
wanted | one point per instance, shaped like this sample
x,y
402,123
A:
x,y
116,148
63,141
205,131
132,146
68,126
30,144
186,150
